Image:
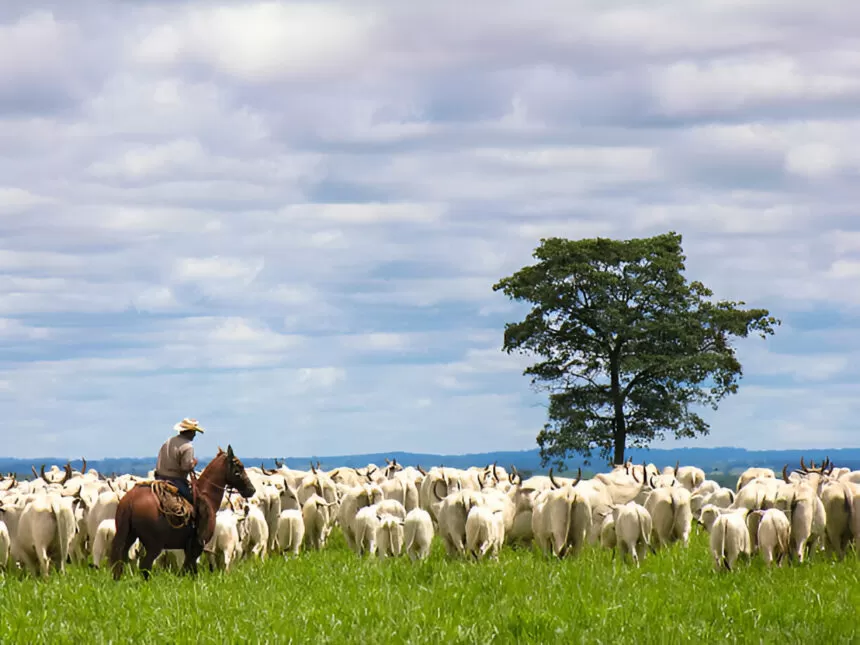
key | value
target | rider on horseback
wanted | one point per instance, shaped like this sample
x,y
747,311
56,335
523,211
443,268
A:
x,y
176,460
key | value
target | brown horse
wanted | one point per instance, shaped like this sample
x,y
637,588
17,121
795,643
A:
x,y
138,516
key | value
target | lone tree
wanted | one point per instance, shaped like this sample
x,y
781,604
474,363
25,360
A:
x,y
627,346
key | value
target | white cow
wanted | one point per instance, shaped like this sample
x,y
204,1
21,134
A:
x,y
103,539
806,513
103,508
45,532
401,489
633,527
690,477
437,485
254,531
485,532
837,497
418,534
5,545
225,546
670,514
561,521
754,473
365,527
774,535
730,536
451,514
353,501
291,531
317,517
389,536
607,533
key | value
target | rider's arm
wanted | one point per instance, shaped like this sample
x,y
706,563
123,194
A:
x,y
186,459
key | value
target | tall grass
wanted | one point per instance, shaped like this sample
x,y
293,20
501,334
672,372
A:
x,y
334,597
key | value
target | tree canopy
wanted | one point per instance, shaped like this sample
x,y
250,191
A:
x,y
628,349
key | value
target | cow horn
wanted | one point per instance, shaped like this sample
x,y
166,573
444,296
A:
x,y
35,474
436,492
578,475
803,465
516,473
651,482
313,470
387,461
110,485
263,468
42,472
68,475
334,473
825,464
785,474
552,479
83,465
832,466
279,464
421,470
677,465
496,472
369,478
394,461
318,464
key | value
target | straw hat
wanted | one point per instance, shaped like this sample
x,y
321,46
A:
x,y
188,424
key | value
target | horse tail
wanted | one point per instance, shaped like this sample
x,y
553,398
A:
x,y
120,546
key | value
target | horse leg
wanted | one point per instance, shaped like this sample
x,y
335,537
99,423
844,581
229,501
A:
x,y
193,549
151,553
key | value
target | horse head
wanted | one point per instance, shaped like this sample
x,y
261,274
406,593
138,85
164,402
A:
x,y
235,474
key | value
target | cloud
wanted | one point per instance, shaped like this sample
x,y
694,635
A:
x,y
285,218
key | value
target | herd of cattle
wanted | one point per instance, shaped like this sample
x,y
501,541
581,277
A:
x,y
66,515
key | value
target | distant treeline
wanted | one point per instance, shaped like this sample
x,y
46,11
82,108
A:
x,y
723,461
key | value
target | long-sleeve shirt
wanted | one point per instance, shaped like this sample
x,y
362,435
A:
x,y
176,458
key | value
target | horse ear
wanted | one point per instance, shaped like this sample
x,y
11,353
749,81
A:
x,y
229,451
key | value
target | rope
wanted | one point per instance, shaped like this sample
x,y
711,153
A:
x,y
177,517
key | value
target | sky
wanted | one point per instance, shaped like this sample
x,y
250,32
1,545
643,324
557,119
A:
x,y
285,219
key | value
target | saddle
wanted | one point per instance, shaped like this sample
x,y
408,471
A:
x,y
178,511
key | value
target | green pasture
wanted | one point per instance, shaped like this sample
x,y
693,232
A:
x,y
332,596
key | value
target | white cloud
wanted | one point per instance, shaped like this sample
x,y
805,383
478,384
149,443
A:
x,y
286,218
263,41
17,200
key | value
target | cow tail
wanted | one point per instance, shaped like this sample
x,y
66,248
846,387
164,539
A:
x,y
569,509
783,539
645,537
673,506
723,532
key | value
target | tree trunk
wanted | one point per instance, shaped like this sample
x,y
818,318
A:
x,y
619,438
